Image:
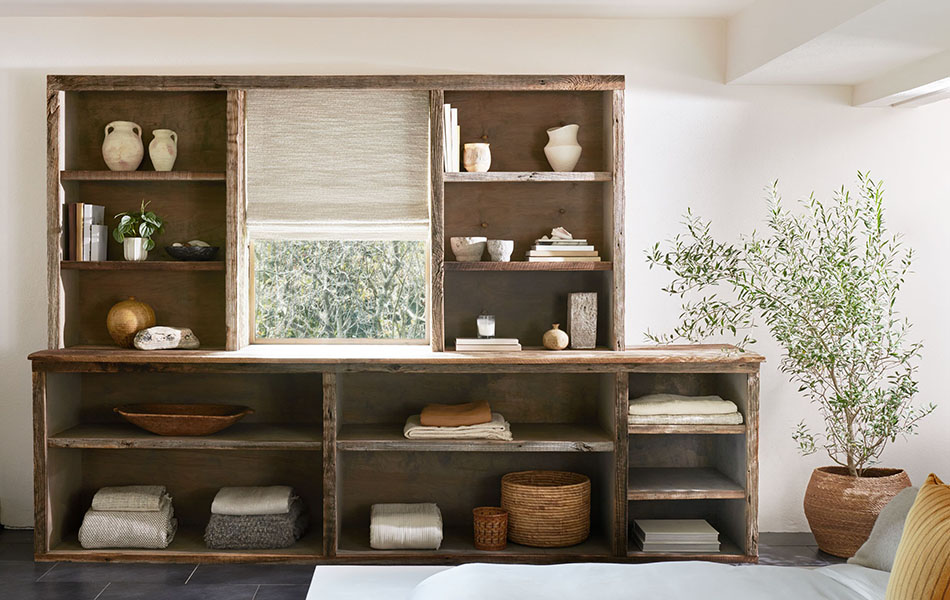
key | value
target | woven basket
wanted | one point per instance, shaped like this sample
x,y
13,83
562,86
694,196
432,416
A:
x,y
491,528
841,509
546,509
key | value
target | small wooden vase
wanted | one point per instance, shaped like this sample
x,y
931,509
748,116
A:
x,y
555,338
127,318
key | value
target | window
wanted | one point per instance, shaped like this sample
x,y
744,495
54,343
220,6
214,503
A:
x,y
338,213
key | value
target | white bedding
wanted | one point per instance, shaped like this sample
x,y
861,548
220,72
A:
x,y
653,581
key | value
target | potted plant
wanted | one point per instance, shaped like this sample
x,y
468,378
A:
x,y
135,231
825,283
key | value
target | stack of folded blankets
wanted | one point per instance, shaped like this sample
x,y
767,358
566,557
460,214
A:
x,y
405,527
672,409
245,518
131,516
472,421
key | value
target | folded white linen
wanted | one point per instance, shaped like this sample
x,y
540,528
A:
x,y
496,429
726,419
405,526
253,500
154,529
129,498
673,404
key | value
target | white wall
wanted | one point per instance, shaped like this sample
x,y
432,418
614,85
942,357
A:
x,y
691,141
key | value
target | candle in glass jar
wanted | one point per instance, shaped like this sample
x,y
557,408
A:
x,y
486,326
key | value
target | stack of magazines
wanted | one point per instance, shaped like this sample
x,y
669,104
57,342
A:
x,y
693,536
562,250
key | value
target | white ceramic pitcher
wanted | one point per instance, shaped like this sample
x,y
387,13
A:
x,y
122,147
163,149
562,149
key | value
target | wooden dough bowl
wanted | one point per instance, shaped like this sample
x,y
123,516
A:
x,y
183,419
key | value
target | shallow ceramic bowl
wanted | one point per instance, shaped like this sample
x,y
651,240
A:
x,y
468,249
500,250
183,419
192,252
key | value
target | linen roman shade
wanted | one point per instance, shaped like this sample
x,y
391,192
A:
x,y
337,164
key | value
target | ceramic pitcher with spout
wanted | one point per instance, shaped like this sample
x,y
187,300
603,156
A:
x,y
562,149
122,147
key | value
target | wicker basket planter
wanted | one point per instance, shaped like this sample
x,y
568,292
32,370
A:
x,y
546,509
841,509
491,528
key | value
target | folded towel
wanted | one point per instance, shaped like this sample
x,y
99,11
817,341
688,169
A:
x,y
257,532
405,527
730,419
497,429
153,529
129,498
449,415
672,404
262,500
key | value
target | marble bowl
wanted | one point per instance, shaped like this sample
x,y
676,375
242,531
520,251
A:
x,y
468,249
500,250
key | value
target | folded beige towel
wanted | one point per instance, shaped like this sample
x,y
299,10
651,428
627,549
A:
x,y
730,419
673,404
154,529
255,500
496,429
455,415
405,526
129,498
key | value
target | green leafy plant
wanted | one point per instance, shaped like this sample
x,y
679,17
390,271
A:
x,y
825,284
141,223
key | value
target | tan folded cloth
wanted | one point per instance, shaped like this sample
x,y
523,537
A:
x,y
257,500
730,419
129,528
497,429
673,404
135,498
455,415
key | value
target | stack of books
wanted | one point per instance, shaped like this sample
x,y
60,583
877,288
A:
x,y
487,345
451,149
693,536
85,236
558,250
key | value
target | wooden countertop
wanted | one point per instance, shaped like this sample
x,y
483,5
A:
x,y
315,357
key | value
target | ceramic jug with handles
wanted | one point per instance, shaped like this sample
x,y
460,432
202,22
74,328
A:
x,y
163,149
122,147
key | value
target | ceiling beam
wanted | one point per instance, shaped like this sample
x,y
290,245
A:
x,y
767,29
909,85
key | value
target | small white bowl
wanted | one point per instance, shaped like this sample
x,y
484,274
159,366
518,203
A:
x,y
500,250
468,249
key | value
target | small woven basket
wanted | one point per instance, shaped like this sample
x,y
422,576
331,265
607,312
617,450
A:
x,y
491,528
546,509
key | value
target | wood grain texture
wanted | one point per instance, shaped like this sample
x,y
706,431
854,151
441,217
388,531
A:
x,y
142,176
752,464
528,437
145,265
618,250
237,279
241,436
681,483
436,221
416,82
55,199
331,412
686,429
523,265
527,176
621,461
41,513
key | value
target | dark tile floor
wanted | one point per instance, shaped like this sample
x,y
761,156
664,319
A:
x,y
23,579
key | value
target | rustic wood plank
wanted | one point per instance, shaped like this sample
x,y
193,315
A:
x,y
145,265
242,436
141,176
621,461
527,176
752,466
729,552
55,200
237,280
523,265
680,483
686,429
331,474
618,205
436,221
395,82
528,437
41,514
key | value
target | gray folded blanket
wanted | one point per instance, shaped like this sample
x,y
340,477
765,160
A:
x,y
154,529
257,532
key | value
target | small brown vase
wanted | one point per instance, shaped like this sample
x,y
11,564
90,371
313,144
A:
x,y
841,509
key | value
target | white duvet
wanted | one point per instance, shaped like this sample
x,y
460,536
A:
x,y
653,581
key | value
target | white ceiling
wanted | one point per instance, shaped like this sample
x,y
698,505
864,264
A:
x,y
379,8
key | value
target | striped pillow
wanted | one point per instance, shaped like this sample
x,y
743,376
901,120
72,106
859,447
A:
x,y
922,567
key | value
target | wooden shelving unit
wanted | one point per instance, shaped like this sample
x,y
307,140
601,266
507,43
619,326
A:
x,y
328,418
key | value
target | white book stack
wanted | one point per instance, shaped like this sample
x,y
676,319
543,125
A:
x,y
693,536
451,149
556,250
487,345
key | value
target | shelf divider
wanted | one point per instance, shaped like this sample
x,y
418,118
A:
x,y
142,175
527,176
681,483
241,436
523,265
528,437
144,265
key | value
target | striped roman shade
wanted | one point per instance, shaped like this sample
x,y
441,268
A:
x,y
922,566
338,164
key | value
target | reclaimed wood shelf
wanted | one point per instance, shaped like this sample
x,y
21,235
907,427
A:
x,y
142,265
528,437
680,483
686,429
77,175
523,265
728,552
526,176
241,436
